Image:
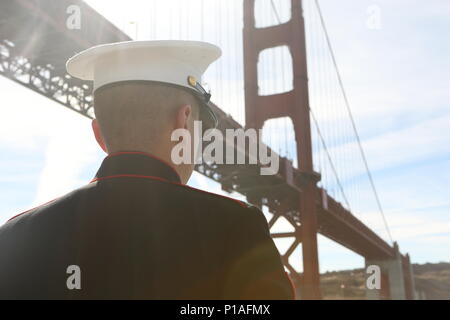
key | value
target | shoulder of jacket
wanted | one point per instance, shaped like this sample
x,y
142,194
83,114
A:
x,y
48,204
30,211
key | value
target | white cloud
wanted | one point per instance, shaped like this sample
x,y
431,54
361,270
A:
x,y
33,124
424,140
66,157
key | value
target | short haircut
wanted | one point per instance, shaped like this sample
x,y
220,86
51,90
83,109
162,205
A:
x,y
134,115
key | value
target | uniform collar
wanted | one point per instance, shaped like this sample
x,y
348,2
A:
x,y
138,164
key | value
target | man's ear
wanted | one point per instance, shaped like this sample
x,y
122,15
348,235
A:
x,y
183,116
98,135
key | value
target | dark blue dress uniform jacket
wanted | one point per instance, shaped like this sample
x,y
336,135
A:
x,y
136,233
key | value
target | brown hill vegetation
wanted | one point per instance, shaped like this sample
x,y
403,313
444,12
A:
x,y
431,279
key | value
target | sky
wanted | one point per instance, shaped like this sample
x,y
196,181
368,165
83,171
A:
x,y
393,58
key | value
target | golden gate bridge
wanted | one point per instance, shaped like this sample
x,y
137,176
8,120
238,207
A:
x,y
278,73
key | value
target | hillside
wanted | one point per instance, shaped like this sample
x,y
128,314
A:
x,y
432,279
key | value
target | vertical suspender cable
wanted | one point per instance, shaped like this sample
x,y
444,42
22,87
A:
x,y
347,104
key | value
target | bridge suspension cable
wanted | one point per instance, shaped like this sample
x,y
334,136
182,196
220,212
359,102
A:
x,y
350,114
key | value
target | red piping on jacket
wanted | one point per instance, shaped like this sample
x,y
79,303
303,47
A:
x,y
142,177
31,209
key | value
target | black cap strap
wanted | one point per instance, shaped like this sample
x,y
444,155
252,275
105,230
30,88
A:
x,y
196,85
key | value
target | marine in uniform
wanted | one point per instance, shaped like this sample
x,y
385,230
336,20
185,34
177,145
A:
x,y
136,231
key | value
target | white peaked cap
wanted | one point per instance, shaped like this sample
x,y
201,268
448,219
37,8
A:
x,y
169,61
